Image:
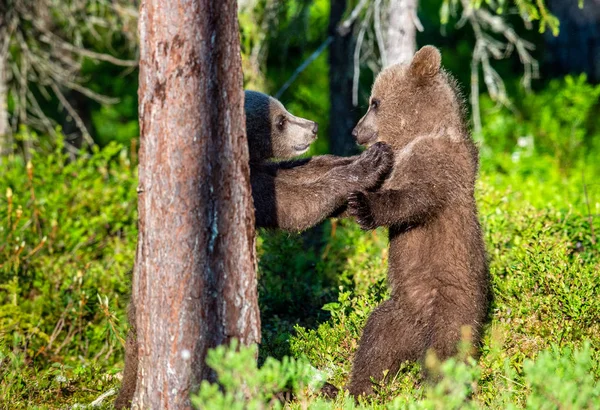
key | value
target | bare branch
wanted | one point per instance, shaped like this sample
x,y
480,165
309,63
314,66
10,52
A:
x,y
344,27
303,66
379,33
78,121
357,49
88,53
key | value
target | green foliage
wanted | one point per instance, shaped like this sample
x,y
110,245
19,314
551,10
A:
x,y
530,10
67,238
556,378
563,379
245,386
559,121
67,241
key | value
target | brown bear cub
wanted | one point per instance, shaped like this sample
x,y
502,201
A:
x,y
437,261
290,195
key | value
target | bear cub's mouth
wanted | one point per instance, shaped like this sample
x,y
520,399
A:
x,y
368,140
301,148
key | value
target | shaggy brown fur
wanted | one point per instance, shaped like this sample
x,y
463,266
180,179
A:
x,y
290,195
437,262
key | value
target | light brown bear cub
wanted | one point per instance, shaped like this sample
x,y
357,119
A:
x,y
437,261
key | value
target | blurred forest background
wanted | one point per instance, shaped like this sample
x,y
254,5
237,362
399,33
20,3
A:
x,y
68,138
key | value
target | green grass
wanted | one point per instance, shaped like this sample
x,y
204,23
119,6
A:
x,y
67,242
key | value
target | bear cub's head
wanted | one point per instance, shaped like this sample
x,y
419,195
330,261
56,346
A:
x,y
411,100
272,131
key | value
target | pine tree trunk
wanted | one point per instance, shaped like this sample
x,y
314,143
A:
x,y
400,31
341,73
195,280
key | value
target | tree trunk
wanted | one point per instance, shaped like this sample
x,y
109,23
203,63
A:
x,y
400,31
577,47
341,73
195,279
5,132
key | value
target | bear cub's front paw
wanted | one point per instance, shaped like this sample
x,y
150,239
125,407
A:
x,y
376,162
358,207
381,157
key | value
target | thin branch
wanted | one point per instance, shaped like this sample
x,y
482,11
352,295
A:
x,y
416,21
88,53
303,66
344,27
357,49
379,33
78,121
91,94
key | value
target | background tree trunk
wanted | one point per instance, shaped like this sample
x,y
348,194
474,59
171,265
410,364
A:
x,y
5,132
577,47
195,280
400,31
341,70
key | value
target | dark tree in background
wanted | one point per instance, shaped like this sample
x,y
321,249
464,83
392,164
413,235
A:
x,y
576,49
194,280
341,63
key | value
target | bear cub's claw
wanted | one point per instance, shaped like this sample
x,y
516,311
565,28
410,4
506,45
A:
x,y
383,158
358,207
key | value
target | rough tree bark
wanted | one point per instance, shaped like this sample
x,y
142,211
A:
x,y
577,47
341,70
400,31
195,280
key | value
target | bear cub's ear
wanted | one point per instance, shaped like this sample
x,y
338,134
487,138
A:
x,y
426,62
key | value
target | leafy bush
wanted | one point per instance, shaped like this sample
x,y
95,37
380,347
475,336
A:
x,y
559,121
245,386
556,378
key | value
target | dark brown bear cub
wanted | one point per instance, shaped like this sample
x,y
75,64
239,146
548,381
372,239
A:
x,y
437,262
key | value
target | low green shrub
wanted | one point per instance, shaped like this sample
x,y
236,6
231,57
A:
x,y
557,378
67,240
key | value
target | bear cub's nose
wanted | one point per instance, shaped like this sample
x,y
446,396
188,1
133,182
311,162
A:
x,y
315,128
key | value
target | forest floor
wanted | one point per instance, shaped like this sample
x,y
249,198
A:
x,y
67,242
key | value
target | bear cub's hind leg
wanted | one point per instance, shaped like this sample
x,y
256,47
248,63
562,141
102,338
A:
x,y
390,337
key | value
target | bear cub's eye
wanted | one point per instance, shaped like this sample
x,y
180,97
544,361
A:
x,y
374,103
281,122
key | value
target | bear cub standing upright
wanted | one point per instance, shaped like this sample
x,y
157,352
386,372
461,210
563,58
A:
x,y
437,269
